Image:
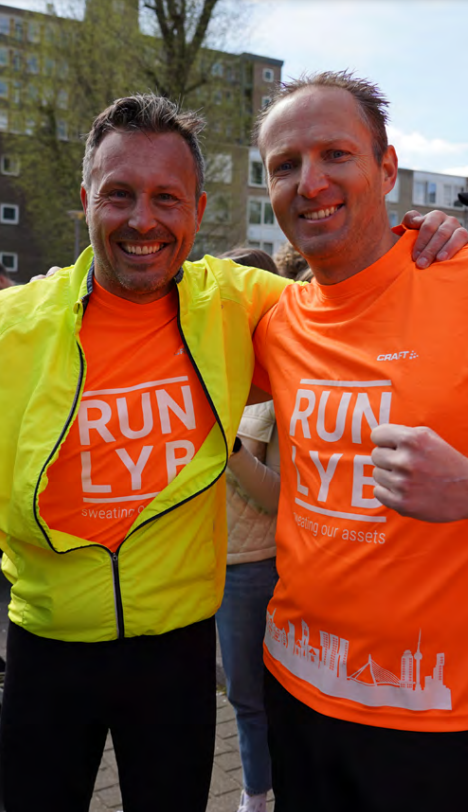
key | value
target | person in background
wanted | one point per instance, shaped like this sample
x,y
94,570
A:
x,y
5,279
289,262
252,486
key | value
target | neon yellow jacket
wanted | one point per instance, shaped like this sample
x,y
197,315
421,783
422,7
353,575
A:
x,y
169,570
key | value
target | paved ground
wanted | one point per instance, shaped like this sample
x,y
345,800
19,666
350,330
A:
x,y
226,783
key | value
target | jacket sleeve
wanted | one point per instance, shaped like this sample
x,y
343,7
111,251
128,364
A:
x,y
256,479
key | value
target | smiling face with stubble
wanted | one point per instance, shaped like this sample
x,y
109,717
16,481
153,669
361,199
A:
x,y
142,212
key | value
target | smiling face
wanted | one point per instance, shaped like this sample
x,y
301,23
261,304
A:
x,y
142,212
326,188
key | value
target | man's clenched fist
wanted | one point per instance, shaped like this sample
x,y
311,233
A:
x,y
418,474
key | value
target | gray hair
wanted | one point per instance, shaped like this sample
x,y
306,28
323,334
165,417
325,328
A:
x,y
147,113
371,101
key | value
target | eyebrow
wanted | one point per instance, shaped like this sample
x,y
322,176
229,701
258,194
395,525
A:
x,y
328,141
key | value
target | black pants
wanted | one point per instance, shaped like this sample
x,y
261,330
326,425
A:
x,y
320,763
157,696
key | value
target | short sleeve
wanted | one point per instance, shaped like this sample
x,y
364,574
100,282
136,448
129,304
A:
x,y
260,342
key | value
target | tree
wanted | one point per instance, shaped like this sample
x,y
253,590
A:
x,y
183,26
73,68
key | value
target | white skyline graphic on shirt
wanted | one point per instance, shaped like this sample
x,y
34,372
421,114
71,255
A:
x,y
326,668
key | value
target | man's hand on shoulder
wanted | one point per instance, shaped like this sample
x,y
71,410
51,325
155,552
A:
x,y
418,474
440,236
50,272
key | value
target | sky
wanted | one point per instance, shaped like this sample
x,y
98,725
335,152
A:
x,y
415,50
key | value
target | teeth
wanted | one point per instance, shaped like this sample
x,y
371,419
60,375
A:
x,y
142,250
319,215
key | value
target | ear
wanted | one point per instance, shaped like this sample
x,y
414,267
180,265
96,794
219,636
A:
x,y
84,201
389,169
201,206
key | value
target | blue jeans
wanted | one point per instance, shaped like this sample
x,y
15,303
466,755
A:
x,y
241,622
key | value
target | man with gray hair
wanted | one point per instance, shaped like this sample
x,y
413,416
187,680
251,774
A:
x,y
367,675
128,376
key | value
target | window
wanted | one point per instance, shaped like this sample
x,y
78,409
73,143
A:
x,y
34,31
9,165
219,168
265,246
218,209
32,64
4,25
255,212
268,75
266,101
431,192
62,130
4,57
268,216
9,213
16,92
218,97
16,61
3,121
10,261
456,192
62,99
33,93
29,127
261,212
256,173
18,30
49,66
394,195
217,69
16,123
419,192
3,89
231,74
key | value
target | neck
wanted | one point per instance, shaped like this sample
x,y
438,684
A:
x,y
341,265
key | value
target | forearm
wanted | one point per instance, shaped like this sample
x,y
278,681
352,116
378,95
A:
x,y
256,479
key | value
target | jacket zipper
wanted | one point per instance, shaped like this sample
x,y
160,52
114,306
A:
x,y
119,615
114,556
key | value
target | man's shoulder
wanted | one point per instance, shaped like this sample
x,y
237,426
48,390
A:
x,y
44,298
231,279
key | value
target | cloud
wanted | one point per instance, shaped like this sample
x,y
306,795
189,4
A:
x,y
416,151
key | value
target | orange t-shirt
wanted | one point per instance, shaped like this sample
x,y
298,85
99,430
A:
x,y
143,415
369,619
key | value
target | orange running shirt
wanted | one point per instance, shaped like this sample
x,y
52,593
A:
x,y
369,620
143,416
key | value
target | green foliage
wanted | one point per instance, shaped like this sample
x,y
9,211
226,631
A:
x,y
77,67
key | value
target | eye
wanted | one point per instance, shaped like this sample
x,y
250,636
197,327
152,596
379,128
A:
x,y
284,166
119,194
336,154
166,197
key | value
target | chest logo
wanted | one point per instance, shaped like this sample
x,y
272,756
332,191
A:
x,y
407,355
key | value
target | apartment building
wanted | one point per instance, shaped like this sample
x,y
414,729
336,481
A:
x,y
425,191
240,84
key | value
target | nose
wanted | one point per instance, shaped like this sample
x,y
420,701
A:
x,y
312,180
142,217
